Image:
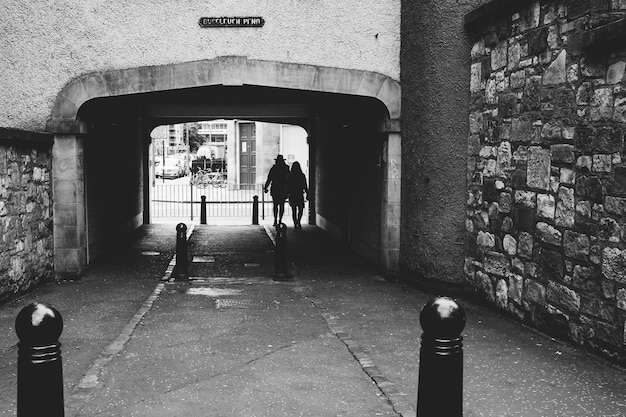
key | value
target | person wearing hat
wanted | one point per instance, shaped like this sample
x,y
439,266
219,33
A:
x,y
277,179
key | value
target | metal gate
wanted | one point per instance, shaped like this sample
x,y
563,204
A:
x,y
222,201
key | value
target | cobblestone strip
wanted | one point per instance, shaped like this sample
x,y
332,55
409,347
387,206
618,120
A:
x,y
269,233
397,400
169,270
83,391
387,387
90,381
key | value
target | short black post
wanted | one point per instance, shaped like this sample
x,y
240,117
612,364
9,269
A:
x,y
280,257
255,209
203,209
440,384
181,270
39,365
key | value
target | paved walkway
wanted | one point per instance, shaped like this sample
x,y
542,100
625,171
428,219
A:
x,y
337,340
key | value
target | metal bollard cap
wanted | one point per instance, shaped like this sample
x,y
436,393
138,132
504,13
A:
x,y
38,324
442,317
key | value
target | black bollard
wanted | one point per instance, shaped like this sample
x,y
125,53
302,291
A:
x,y
280,256
181,270
39,365
255,209
203,209
440,384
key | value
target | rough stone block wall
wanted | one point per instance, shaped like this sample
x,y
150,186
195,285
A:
x,y
546,201
26,243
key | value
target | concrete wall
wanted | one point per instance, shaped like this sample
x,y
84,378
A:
x,y
435,79
26,247
364,171
114,183
349,175
52,43
546,200
332,175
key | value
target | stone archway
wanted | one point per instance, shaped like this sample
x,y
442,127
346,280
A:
x,y
68,173
228,71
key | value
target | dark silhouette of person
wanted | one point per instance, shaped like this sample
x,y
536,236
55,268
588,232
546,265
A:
x,y
277,177
296,186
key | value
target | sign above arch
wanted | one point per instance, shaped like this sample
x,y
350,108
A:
x,y
227,71
231,22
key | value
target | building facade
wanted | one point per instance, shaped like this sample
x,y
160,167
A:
x,y
247,149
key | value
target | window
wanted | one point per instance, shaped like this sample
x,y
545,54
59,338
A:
x,y
217,138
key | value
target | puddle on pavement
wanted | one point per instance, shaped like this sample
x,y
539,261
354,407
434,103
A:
x,y
205,259
230,280
213,292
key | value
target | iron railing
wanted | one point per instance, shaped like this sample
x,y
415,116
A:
x,y
222,200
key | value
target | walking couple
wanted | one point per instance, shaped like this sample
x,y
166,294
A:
x,y
287,184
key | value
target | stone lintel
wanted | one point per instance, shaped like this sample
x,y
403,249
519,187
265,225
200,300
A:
x,y
66,127
491,10
233,69
337,80
390,126
16,135
390,94
280,74
224,70
606,34
498,9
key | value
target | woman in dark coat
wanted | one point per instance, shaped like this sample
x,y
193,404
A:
x,y
296,186
277,178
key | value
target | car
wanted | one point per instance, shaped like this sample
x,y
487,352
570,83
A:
x,y
171,169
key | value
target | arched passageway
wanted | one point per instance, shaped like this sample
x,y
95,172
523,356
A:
x,y
102,122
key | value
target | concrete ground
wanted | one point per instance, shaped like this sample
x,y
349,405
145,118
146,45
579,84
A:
x,y
335,340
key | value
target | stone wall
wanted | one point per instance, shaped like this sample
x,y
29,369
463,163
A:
x,y
546,201
26,247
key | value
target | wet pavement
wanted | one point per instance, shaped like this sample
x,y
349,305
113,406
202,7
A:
x,y
335,340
